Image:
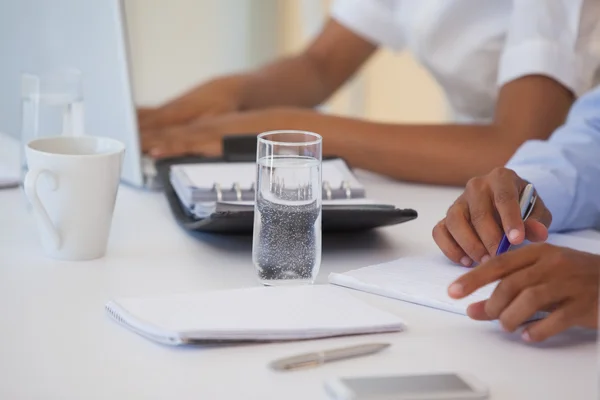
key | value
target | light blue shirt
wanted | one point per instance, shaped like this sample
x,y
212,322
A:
x,y
565,169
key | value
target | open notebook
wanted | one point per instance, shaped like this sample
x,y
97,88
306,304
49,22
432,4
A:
x,y
217,196
425,280
229,187
252,314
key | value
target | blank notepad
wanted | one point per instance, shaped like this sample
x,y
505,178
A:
x,y
420,280
425,280
253,314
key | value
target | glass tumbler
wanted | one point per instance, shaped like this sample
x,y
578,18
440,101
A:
x,y
51,105
286,245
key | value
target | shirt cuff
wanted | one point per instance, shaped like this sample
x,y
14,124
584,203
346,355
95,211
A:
x,y
540,57
370,20
557,196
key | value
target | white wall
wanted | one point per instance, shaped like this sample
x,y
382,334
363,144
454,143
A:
x,y
177,43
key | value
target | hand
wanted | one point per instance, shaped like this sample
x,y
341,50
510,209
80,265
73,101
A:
x,y
489,206
184,140
538,277
204,136
216,97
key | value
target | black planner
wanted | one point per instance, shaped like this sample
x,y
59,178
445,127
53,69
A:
x,y
228,208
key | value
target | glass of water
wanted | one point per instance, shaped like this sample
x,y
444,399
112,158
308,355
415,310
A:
x,y
286,246
51,105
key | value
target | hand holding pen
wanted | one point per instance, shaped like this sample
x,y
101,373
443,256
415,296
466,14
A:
x,y
499,210
489,214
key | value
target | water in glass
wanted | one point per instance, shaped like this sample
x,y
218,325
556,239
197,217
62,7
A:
x,y
287,230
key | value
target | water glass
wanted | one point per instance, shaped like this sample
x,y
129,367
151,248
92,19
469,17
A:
x,y
286,246
51,105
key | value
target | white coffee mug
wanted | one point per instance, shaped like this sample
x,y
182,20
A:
x,y
72,186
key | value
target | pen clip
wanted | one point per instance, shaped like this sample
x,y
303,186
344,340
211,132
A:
x,y
301,361
530,207
526,204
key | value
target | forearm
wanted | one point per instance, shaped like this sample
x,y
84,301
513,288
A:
x,y
434,154
308,79
294,81
437,154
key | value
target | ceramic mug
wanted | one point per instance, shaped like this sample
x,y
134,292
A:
x,y
72,185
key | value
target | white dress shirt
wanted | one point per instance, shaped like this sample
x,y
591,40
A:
x,y
473,47
565,169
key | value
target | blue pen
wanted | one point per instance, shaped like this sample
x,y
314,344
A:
x,y
526,203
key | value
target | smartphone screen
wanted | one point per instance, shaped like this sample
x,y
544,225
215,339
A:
x,y
407,385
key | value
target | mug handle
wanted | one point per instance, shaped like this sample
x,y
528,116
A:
x,y
30,184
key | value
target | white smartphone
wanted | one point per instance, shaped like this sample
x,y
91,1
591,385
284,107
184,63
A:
x,y
408,387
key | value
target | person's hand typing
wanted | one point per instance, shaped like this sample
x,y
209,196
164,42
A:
x,y
538,277
217,97
489,207
204,135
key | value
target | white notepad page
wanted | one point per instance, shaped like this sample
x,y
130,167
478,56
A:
x,y
420,280
425,280
260,314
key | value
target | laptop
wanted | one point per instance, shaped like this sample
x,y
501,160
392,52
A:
x,y
91,37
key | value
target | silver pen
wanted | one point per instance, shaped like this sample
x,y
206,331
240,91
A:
x,y
317,358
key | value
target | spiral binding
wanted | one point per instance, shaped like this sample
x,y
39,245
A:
x,y
278,187
158,338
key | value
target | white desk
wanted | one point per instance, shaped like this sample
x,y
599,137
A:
x,y
57,343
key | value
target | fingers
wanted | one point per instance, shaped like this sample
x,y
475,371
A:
x,y
529,301
180,141
477,312
536,231
168,151
191,146
448,245
179,149
493,270
483,219
505,191
460,228
558,321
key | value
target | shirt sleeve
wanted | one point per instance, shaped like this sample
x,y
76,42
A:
x,y
565,169
555,38
373,20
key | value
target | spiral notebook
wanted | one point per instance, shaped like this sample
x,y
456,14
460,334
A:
x,y
259,314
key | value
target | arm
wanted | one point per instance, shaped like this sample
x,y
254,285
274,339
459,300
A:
x,y
566,169
439,154
566,173
452,154
550,56
308,79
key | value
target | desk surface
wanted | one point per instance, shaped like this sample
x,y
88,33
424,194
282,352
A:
x,y
57,342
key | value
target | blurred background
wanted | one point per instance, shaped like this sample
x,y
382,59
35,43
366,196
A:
x,y
176,44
